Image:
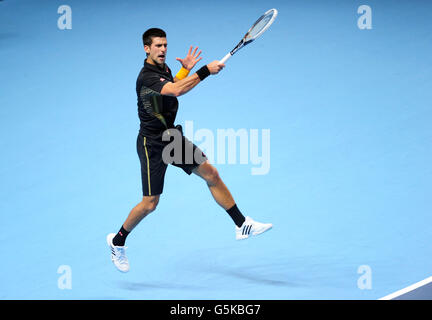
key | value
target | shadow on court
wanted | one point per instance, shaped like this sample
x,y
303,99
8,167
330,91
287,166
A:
x,y
139,286
256,276
219,277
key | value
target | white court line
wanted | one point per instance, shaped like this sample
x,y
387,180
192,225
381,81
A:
x,y
407,289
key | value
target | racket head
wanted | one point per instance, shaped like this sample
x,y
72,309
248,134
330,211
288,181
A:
x,y
261,25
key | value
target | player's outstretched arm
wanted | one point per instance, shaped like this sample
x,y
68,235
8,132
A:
x,y
181,87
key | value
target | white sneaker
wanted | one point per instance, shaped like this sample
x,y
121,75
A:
x,y
118,254
251,226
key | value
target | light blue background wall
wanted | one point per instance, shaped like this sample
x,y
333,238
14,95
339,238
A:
x,y
350,181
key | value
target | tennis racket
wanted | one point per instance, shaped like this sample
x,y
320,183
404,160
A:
x,y
257,29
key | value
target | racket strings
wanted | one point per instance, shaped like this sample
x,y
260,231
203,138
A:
x,y
259,26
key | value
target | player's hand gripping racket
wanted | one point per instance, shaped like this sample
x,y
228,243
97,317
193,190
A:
x,y
254,32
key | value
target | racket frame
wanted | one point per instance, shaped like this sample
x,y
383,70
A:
x,y
243,41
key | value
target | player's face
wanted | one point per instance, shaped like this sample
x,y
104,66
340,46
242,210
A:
x,y
157,50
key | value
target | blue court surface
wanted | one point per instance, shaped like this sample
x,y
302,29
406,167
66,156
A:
x,y
345,178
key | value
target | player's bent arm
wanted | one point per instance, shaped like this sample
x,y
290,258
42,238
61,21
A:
x,y
180,87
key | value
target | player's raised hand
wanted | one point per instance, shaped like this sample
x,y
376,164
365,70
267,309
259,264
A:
x,y
191,59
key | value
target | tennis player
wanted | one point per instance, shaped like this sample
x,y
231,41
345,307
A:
x,y
157,91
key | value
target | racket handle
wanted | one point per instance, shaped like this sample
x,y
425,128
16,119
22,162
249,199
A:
x,y
225,58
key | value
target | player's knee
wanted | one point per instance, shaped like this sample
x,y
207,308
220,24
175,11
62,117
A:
x,y
213,176
150,203
152,206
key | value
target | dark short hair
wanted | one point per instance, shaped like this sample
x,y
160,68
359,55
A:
x,y
148,36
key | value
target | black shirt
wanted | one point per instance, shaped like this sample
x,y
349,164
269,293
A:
x,y
156,112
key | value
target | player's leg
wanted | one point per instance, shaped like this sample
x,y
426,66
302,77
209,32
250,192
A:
x,y
116,242
152,179
140,211
217,187
202,168
245,226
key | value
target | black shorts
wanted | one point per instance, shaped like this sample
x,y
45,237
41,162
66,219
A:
x,y
153,166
